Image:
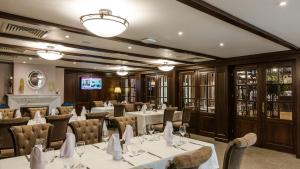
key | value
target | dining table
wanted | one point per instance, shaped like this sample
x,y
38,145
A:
x,y
151,117
108,109
150,151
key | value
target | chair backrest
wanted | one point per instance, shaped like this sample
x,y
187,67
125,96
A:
x,y
191,160
168,115
113,101
138,104
65,110
24,137
129,107
186,115
97,104
8,113
100,116
6,141
43,111
87,131
235,150
60,123
126,120
119,110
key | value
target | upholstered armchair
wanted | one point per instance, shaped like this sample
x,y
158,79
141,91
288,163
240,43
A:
x,y
100,116
60,126
6,141
191,160
235,150
186,118
24,137
126,120
97,104
87,131
63,110
8,113
129,107
168,116
43,111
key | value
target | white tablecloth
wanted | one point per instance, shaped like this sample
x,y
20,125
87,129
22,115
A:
x,y
110,110
96,158
151,117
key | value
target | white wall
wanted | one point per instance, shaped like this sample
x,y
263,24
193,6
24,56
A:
x,y
59,82
53,75
5,73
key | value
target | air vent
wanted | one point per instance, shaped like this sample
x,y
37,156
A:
x,y
13,28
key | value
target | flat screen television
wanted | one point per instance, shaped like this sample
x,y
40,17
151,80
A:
x,y
89,83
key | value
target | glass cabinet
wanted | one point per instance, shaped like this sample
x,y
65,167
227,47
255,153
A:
x,y
207,92
128,89
187,85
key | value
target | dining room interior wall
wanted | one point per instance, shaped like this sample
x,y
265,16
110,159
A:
x,y
6,71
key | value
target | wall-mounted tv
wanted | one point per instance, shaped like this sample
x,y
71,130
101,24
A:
x,y
89,83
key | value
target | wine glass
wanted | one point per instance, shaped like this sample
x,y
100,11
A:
x,y
80,149
49,154
182,131
150,129
105,138
138,108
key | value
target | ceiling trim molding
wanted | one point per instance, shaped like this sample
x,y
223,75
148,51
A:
x,y
75,60
78,54
25,38
233,20
28,20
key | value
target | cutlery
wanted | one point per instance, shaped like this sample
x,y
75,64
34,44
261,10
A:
x,y
128,162
177,147
96,146
154,155
196,143
53,159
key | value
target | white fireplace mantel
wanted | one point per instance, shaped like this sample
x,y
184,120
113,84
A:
x,y
18,101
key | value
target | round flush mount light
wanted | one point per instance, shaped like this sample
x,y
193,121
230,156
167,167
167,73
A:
x,y
180,33
166,67
104,24
221,44
282,3
122,72
50,54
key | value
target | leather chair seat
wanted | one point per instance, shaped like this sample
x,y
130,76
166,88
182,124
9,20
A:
x,y
177,124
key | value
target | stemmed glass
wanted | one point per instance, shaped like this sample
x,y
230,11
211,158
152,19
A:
x,y
105,138
138,108
150,129
182,131
80,149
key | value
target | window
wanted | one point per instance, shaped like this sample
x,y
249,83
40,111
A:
x,y
128,89
187,85
207,92
162,89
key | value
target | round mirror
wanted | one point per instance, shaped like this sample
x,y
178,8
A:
x,y
36,79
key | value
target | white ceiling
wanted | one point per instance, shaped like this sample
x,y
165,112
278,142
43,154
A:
x,y
160,19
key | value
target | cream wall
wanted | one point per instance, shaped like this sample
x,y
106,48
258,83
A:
x,y
6,70
59,82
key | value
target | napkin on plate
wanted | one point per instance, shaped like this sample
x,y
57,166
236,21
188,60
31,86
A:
x,y
105,104
168,133
67,149
128,134
53,112
37,160
83,111
164,106
74,113
114,147
144,108
18,114
37,117
109,104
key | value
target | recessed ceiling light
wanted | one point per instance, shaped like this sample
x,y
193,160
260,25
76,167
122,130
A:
x,y
221,44
282,4
24,62
95,68
74,63
180,33
129,47
30,58
67,36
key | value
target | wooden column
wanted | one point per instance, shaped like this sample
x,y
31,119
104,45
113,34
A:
x,y
297,133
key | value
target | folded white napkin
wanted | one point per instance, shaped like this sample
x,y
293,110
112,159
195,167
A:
x,y
1,115
128,134
67,149
37,160
83,111
164,106
53,112
109,104
74,113
168,133
18,114
37,117
104,127
114,147
105,104
144,108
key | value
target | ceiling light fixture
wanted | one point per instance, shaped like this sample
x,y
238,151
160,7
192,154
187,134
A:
x,y
165,67
221,44
129,47
67,36
30,58
104,24
283,4
122,72
180,33
24,62
50,54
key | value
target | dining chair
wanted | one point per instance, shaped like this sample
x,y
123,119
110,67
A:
x,y
60,126
8,113
168,116
186,119
63,110
138,105
25,136
100,116
235,150
126,120
87,131
119,110
43,111
191,160
113,102
129,107
97,104
6,141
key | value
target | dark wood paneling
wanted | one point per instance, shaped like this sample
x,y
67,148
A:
x,y
244,125
206,125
